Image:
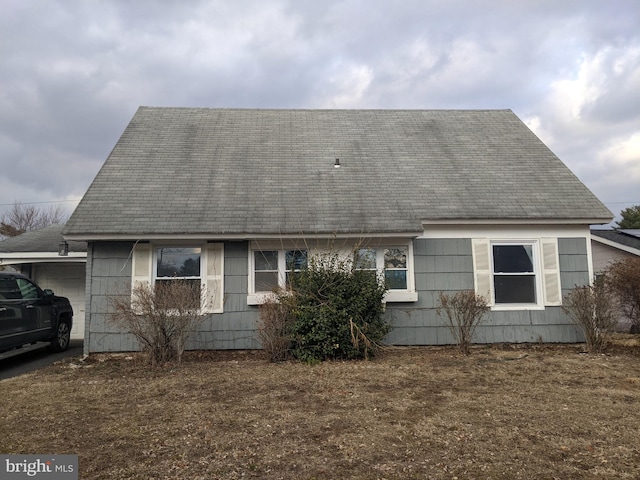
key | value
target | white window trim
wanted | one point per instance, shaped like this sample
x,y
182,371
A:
x,y
546,268
154,261
405,295
537,274
144,269
391,296
260,297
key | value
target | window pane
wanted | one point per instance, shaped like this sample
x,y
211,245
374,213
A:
x,y
267,260
366,273
515,288
296,259
395,258
9,289
187,292
266,281
396,279
512,258
365,258
28,289
178,262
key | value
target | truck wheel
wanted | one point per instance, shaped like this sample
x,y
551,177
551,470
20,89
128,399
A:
x,y
60,342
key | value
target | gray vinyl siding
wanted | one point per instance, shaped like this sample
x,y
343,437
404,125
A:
x,y
441,265
236,327
109,273
445,265
574,264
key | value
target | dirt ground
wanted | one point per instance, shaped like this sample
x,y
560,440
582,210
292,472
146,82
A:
x,y
504,412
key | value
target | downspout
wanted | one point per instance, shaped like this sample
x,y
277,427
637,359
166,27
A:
x,y
590,257
87,299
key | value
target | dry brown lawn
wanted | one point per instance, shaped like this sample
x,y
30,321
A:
x,y
505,412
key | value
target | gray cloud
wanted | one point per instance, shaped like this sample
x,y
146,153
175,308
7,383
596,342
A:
x,y
74,72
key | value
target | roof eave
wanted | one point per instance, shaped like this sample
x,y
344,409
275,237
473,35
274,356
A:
x,y
517,221
16,258
613,244
232,236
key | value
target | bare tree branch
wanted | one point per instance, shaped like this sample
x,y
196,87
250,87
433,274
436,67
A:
x,y
23,218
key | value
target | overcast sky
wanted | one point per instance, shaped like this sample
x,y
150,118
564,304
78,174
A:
x,y
73,73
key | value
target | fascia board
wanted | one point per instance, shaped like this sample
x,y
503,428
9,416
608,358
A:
x,y
532,221
16,258
236,237
515,231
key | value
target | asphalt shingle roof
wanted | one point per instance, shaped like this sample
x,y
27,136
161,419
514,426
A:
x,y
253,171
624,237
45,239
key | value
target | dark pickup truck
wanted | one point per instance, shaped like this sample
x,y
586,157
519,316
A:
x,y
29,314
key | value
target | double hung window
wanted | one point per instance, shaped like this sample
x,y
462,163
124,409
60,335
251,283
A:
x,y
390,261
272,269
514,276
179,264
517,274
201,265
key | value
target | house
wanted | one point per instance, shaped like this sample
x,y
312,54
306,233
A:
x,y
437,200
609,246
44,256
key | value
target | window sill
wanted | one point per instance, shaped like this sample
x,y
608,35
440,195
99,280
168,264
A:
x,y
397,296
512,307
260,298
392,296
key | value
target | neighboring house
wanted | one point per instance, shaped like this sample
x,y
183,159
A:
x,y
436,200
45,257
609,246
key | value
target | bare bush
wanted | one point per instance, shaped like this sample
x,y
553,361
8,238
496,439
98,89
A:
x,y
274,329
623,280
590,308
464,310
162,318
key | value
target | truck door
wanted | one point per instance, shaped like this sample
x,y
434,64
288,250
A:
x,y
37,310
13,327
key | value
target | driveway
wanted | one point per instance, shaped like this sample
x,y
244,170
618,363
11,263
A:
x,y
34,359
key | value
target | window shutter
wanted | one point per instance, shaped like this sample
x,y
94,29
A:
x,y
214,281
140,268
141,264
551,272
482,268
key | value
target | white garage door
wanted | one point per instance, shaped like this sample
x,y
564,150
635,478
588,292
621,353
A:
x,y
66,280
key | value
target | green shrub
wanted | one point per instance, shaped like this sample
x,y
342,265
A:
x,y
337,310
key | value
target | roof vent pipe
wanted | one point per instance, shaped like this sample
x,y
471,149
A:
x,y
337,164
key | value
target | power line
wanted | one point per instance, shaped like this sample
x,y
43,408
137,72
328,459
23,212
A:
x,y
635,202
39,203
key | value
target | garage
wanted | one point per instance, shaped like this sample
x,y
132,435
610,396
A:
x,y
52,262
66,280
